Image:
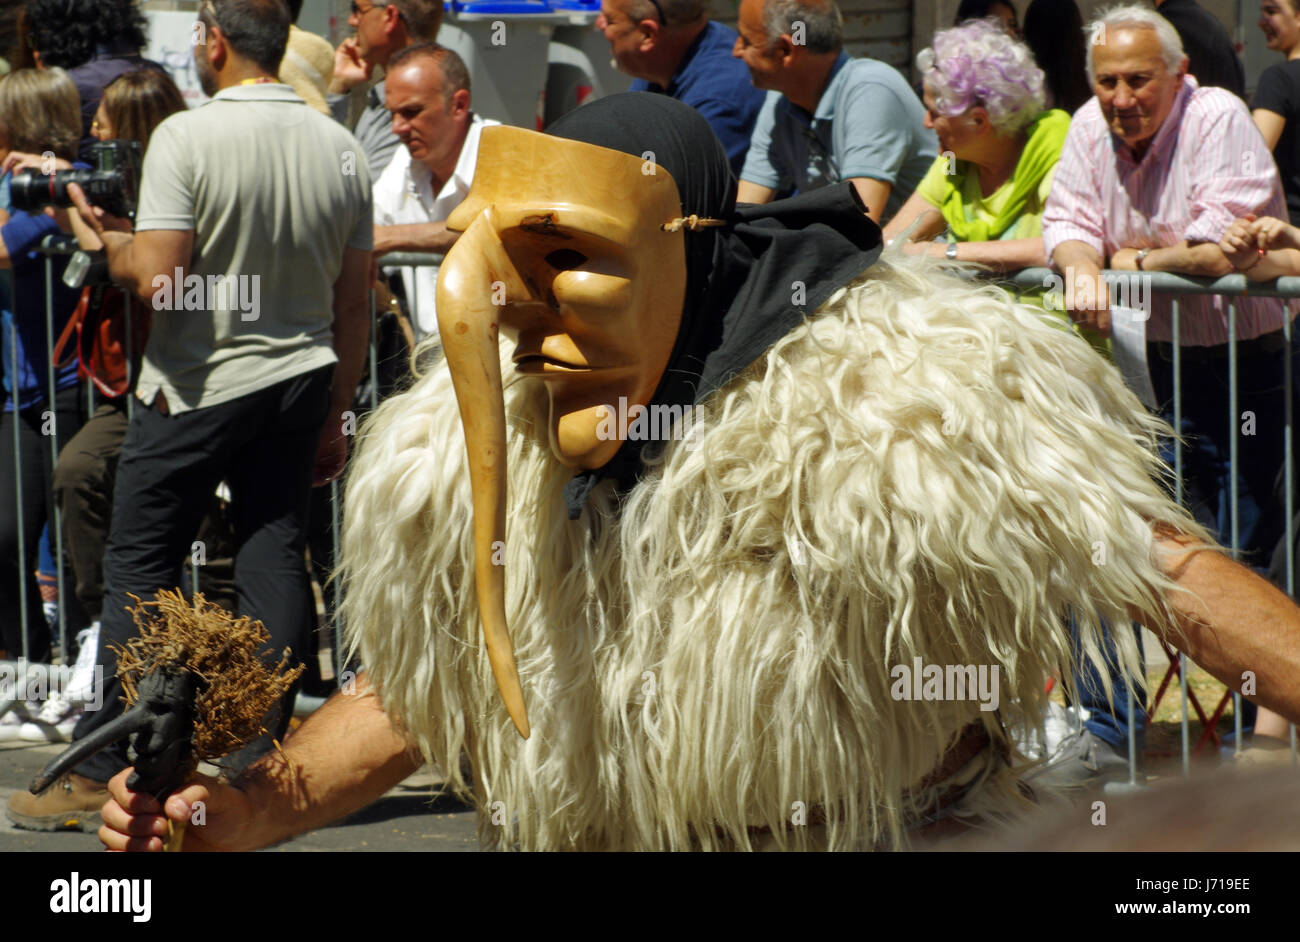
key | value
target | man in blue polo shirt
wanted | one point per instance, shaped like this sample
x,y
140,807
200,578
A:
x,y
671,47
827,117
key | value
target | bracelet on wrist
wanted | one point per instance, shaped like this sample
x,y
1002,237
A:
x,y
1260,253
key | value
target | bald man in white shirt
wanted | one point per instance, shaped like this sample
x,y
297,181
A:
x,y
428,96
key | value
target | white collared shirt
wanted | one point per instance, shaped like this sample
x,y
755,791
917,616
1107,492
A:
x,y
404,195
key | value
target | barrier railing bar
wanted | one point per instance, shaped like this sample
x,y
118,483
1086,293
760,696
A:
x,y
1234,424
423,259
335,626
130,362
1288,463
18,488
54,515
1176,328
1163,281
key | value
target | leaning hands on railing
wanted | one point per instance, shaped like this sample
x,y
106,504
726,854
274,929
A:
x,y
1262,248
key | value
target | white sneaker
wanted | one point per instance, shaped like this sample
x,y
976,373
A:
x,y
81,686
11,723
54,722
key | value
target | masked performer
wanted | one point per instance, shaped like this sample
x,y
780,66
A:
x,y
700,640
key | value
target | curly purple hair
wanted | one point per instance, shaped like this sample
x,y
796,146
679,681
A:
x,y
979,64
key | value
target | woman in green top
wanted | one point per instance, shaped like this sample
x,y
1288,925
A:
x,y
998,150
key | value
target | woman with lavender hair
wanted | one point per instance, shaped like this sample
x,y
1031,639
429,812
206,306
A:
x,y
998,151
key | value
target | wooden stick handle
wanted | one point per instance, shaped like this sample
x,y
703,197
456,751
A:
x,y
175,836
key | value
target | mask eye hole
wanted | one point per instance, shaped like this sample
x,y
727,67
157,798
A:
x,y
565,259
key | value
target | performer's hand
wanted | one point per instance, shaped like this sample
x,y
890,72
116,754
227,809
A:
x,y
133,821
332,452
1087,297
350,70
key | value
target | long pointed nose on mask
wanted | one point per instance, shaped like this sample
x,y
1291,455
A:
x,y
565,243
476,273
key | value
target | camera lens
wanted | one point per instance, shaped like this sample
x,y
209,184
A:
x,y
30,191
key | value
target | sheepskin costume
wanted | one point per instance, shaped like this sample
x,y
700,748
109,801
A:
x,y
923,469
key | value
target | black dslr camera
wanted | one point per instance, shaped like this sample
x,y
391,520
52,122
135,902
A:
x,y
113,185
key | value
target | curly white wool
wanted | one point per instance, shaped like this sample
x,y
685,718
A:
x,y
922,469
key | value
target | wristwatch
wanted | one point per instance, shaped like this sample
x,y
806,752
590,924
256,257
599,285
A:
x,y
1141,255
951,252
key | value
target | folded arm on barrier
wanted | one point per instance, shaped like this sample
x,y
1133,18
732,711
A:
x,y
414,237
1202,259
1087,298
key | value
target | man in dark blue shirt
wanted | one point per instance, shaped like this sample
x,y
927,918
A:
x,y
671,47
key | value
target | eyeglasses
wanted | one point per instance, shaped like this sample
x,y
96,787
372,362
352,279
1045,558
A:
x,y
663,20
359,12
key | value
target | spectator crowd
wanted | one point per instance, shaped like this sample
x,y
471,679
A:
x,y
1121,144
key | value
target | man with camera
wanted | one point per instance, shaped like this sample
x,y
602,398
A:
x,y
252,244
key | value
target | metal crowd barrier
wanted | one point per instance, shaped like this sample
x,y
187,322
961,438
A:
x,y
1231,286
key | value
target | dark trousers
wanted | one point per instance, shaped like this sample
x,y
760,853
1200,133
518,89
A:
x,y
83,487
263,445
25,475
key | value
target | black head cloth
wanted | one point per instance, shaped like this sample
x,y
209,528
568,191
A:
x,y
741,278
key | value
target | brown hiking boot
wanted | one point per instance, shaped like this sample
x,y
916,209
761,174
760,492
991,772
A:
x,y
72,803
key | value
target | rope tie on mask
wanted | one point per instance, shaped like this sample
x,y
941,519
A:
x,y
692,222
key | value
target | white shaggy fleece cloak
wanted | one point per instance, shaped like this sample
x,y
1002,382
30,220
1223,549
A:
x,y
922,469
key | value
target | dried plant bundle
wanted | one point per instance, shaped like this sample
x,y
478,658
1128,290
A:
x,y
236,686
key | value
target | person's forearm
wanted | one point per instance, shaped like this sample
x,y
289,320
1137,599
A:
x,y
351,340
344,757
747,192
1205,259
415,237
120,249
1007,255
1278,263
924,220
1230,621
1074,255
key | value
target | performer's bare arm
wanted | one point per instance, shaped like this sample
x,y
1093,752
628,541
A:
x,y
344,757
1232,621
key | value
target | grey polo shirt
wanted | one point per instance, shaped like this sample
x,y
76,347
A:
x,y
869,123
274,191
374,128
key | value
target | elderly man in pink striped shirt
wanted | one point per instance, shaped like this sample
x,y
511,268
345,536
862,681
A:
x,y
1154,171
